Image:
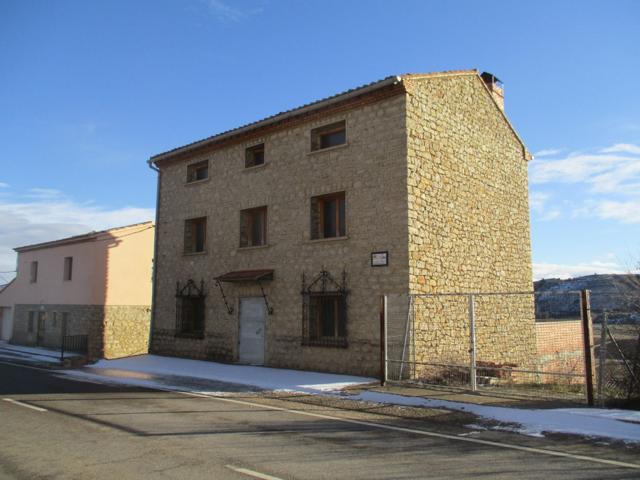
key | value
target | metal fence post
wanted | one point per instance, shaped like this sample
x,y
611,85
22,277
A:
x,y
383,339
472,342
587,336
602,354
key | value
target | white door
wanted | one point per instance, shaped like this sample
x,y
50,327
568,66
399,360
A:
x,y
253,315
6,323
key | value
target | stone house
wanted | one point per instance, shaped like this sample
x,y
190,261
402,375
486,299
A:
x,y
94,287
276,239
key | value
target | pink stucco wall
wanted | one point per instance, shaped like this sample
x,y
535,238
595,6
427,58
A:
x,y
112,269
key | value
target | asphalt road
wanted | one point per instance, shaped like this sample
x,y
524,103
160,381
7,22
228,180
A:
x,y
53,427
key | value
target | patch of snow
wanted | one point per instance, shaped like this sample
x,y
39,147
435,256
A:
x,y
263,377
532,422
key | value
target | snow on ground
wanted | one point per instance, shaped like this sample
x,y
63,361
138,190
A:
x,y
262,377
149,370
590,422
32,354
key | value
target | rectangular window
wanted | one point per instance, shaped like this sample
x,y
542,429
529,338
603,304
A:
x,y
328,216
326,320
190,311
33,277
68,268
254,156
253,227
54,321
329,136
195,235
198,171
31,322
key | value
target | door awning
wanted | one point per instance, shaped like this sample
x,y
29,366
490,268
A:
x,y
246,276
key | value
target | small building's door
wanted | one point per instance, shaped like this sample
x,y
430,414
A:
x,y
253,315
6,323
41,327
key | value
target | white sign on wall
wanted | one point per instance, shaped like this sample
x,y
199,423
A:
x,y
379,259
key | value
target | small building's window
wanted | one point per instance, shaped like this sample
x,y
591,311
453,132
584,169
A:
x,y
329,136
190,309
254,156
54,321
195,235
31,322
33,277
253,227
198,171
328,216
68,268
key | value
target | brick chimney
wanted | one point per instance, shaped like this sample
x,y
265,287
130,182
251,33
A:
x,y
495,87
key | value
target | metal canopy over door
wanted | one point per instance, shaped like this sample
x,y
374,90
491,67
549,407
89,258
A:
x,y
253,314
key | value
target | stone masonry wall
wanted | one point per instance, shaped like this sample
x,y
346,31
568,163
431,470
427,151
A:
x,y
468,223
113,331
370,169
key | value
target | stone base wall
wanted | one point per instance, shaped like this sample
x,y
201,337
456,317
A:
x,y
113,331
126,330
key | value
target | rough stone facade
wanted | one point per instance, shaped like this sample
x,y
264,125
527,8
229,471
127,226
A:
x,y
468,223
432,173
113,331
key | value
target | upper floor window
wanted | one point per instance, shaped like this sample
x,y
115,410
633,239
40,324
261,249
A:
x,y
253,227
68,268
33,275
195,235
328,216
198,171
254,156
329,136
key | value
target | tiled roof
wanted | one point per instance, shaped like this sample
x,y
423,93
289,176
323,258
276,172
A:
x,y
79,238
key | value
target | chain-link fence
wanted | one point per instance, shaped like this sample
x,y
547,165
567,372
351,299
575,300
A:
x,y
523,343
616,325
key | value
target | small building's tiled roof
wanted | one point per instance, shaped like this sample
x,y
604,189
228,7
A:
x,y
85,237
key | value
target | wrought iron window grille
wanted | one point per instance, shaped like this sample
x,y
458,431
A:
x,y
190,309
324,311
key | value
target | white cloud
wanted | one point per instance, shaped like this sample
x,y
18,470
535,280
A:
x,y
47,214
622,147
4,185
538,202
557,270
225,12
547,152
625,212
615,169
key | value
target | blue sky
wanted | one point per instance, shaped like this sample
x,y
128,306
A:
x,y
90,90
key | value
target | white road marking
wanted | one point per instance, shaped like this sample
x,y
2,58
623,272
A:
x,y
252,473
509,446
32,407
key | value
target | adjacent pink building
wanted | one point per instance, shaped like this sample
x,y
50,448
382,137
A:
x,y
94,287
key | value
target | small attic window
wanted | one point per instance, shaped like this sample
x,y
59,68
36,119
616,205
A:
x,y
198,171
254,156
329,136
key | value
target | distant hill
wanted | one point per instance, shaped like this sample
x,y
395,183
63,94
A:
x,y
617,294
